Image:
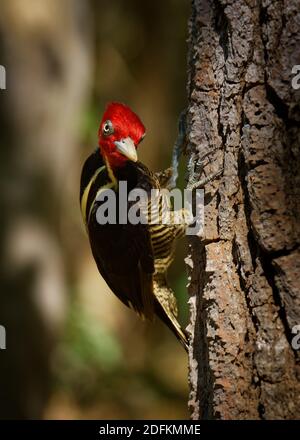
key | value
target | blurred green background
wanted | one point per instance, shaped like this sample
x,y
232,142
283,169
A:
x,y
73,350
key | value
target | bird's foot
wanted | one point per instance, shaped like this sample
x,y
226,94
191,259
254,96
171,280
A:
x,y
194,183
178,149
195,170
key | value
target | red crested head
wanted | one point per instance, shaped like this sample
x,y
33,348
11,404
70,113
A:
x,y
120,132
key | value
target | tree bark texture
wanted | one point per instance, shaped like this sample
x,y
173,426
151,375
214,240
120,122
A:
x,y
244,290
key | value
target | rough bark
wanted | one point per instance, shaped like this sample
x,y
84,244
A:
x,y
244,271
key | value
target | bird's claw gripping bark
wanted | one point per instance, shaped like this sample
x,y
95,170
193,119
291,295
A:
x,y
195,170
196,184
178,149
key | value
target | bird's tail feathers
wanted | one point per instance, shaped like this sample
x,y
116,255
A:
x,y
167,309
170,320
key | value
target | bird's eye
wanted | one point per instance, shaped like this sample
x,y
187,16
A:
x,y
107,128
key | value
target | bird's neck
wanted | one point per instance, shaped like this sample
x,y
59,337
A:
x,y
111,173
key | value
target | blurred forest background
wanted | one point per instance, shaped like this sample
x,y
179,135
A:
x,y
73,350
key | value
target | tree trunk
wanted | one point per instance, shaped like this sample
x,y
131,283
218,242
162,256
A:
x,y
245,269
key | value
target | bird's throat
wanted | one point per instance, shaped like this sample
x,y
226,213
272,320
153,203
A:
x,y
110,173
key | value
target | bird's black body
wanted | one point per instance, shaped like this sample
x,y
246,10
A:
x,y
127,255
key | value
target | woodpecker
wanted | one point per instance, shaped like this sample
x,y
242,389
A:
x,y
132,258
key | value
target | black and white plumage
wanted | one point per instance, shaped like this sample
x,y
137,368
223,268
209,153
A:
x,y
133,259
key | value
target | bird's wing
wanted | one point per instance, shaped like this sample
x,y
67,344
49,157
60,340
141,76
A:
x,y
124,257
123,252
